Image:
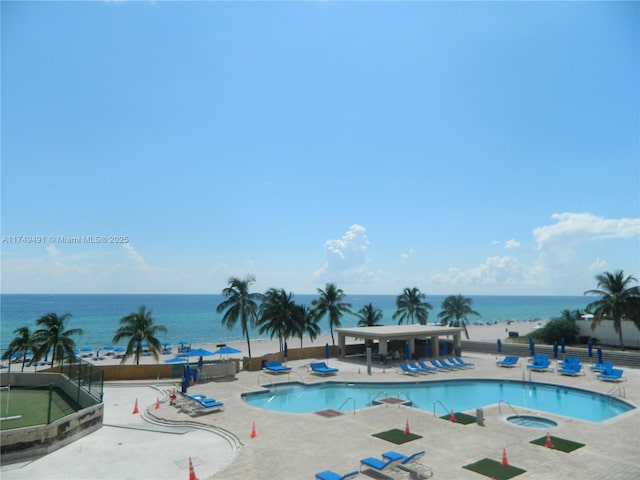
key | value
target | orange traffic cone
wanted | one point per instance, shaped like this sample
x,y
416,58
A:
x,y
253,431
358,371
406,428
384,371
452,416
548,443
505,461
308,369
192,473
135,407
157,403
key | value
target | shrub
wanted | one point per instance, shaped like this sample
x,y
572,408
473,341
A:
x,y
556,330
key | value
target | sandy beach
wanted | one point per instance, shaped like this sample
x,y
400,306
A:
x,y
261,347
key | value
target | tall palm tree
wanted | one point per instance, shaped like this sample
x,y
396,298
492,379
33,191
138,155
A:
x,y
331,303
54,338
139,327
240,306
20,345
455,310
410,305
277,315
305,323
369,316
619,300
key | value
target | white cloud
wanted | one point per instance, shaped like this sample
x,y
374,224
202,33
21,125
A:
x,y
406,255
575,228
512,244
346,258
495,271
598,266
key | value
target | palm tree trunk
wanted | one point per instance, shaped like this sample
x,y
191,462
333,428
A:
x,y
249,346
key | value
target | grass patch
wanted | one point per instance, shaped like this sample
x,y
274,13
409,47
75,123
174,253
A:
x,y
397,436
558,443
495,469
462,418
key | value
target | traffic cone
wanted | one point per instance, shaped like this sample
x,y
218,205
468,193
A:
x,y
157,403
358,371
135,407
308,369
505,461
548,443
192,473
384,371
406,428
452,416
253,431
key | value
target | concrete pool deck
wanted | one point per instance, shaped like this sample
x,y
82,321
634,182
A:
x,y
296,446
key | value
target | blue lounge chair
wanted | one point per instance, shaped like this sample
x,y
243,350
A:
x,y
462,363
572,369
321,368
410,463
441,366
450,363
275,366
409,370
419,368
508,361
329,475
377,467
539,364
426,367
612,375
602,366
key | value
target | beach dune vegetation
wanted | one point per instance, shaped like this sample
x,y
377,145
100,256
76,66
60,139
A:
x,y
619,300
139,327
240,306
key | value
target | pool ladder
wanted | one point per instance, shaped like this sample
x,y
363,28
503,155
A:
x,y
443,406
345,402
617,391
510,406
386,395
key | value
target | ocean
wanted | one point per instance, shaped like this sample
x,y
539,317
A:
x,y
193,318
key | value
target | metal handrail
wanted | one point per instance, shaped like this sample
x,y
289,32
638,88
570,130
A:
x,y
406,395
510,406
617,390
270,382
443,406
376,396
345,402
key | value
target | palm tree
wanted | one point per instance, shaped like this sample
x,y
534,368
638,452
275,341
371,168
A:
x,y
20,345
411,305
54,338
455,310
277,315
305,323
567,314
369,316
139,327
331,303
619,300
241,305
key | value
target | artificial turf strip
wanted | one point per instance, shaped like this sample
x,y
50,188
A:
x,y
397,436
462,418
558,443
495,469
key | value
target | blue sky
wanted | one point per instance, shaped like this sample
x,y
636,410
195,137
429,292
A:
x,y
475,148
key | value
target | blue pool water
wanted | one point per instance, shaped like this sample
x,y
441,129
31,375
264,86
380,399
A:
x,y
459,395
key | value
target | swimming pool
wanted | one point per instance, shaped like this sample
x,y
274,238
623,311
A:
x,y
459,395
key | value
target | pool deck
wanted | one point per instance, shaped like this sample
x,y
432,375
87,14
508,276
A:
x,y
296,446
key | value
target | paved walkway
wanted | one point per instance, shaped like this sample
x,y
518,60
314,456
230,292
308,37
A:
x,y
295,446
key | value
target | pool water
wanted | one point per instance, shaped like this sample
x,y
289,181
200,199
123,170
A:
x,y
459,395
531,421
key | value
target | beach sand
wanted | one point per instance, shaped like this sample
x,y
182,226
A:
x,y
261,347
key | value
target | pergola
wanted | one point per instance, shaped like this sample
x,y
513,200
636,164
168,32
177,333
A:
x,y
408,333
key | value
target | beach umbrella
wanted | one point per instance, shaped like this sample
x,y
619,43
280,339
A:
x,y
177,360
562,345
589,349
555,349
183,342
119,349
84,349
166,344
108,347
599,351
286,350
406,351
326,350
427,350
532,348
499,342
445,348
199,352
227,351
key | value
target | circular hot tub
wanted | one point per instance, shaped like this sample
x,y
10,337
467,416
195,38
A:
x,y
530,421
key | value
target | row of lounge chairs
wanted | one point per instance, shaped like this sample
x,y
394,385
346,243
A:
x,y
391,465
318,368
570,366
438,364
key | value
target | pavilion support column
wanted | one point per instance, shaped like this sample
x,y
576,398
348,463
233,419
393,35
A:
x,y
342,344
383,346
435,346
457,344
412,347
